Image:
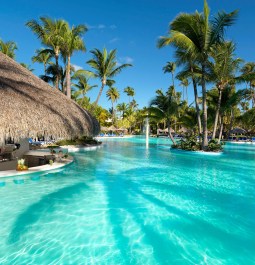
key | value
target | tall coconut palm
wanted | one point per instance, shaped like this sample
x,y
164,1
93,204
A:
x,y
170,68
83,86
130,92
105,67
73,42
52,34
113,95
196,33
54,74
165,106
184,84
248,76
133,104
122,107
8,48
223,71
190,70
42,57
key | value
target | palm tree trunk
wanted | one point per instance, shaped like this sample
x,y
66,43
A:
x,y
173,81
112,113
231,122
169,132
204,107
100,93
57,77
197,106
217,114
221,128
68,77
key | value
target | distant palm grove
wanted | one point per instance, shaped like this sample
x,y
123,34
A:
x,y
203,57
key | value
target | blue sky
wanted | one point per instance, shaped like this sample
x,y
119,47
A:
x,y
130,26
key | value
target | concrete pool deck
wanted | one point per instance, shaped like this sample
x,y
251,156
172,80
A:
x,y
56,165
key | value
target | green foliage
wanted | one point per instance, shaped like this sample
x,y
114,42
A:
x,y
105,67
8,48
215,146
84,140
191,143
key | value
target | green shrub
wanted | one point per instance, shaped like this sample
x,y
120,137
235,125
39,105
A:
x,y
214,145
84,140
191,143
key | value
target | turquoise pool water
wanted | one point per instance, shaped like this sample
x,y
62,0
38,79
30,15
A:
x,y
127,204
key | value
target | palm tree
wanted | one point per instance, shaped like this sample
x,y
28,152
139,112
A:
x,y
184,84
190,70
113,95
8,48
122,107
42,57
165,106
248,75
197,34
130,92
222,72
133,104
83,86
105,67
73,42
28,67
52,34
170,68
54,74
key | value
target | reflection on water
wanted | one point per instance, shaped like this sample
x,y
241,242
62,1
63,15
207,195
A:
x,y
133,202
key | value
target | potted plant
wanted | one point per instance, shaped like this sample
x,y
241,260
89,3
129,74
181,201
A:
x,y
21,165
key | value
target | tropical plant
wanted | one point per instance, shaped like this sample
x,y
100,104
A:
x,y
52,34
42,57
130,92
223,70
248,76
190,70
105,67
113,95
28,67
8,48
122,108
184,83
164,106
195,33
170,68
54,74
72,42
82,86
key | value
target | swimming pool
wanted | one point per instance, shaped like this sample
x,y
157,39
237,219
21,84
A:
x,y
127,204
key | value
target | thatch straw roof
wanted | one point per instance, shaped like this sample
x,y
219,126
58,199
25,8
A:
x,y
112,128
238,130
30,107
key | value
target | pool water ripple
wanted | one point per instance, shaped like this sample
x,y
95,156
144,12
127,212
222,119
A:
x,y
128,204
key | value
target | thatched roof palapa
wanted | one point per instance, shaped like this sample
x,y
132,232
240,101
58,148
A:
x,y
30,107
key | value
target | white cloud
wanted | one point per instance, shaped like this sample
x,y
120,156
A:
x,y
76,67
100,26
126,59
113,26
113,40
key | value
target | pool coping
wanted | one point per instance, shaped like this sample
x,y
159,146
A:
x,y
75,148
56,165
